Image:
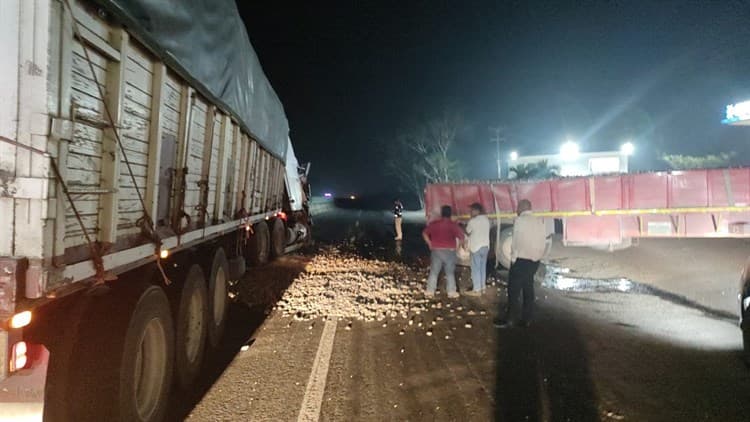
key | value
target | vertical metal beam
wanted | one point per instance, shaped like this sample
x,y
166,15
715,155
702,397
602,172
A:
x,y
110,174
232,197
183,131
208,145
221,170
158,87
64,112
252,172
180,172
242,192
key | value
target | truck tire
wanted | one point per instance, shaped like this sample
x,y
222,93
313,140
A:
x,y
125,354
278,238
218,284
258,249
191,327
147,359
307,233
63,315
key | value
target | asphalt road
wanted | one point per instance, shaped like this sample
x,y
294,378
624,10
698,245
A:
x,y
595,354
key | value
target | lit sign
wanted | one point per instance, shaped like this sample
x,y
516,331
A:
x,y
737,112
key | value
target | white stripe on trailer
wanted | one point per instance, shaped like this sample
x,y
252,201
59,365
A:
x,y
316,385
139,255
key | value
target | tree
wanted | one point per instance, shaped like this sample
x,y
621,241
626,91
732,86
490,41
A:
x,y
538,170
423,154
687,162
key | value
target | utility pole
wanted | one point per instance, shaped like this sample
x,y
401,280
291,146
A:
x,y
498,138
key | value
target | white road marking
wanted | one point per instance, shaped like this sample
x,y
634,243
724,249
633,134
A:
x,y
316,385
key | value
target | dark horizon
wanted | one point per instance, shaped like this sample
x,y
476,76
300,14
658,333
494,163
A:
x,y
351,76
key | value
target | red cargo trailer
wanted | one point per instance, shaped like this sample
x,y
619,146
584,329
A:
x,y
610,210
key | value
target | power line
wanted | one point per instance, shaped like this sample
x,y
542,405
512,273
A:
x,y
498,138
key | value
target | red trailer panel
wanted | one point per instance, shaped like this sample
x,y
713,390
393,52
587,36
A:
x,y
647,190
503,196
571,195
608,193
608,209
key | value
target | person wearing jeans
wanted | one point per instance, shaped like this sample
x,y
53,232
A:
x,y
527,249
442,237
442,259
478,230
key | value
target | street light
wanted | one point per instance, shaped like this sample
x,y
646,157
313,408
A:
x,y
627,148
513,156
569,151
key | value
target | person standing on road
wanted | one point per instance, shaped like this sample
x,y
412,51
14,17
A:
x,y
398,210
527,249
442,237
478,241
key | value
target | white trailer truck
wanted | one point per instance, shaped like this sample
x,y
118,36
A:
x,y
144,158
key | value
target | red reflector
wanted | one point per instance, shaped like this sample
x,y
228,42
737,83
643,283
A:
x,y
282,215
19,356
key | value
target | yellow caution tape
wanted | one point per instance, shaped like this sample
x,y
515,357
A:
x,y
638,211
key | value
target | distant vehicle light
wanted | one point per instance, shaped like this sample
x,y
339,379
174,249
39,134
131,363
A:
x,y
513,156
352,197
328,195
282,215
164,253
20,319
19,358
627,148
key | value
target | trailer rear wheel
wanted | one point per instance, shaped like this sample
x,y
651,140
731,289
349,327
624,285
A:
x,y
191,327
258,250
278,238
307,232
146,368
124,355
217,297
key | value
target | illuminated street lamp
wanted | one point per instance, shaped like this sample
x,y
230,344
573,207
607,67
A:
x,y
569,151
513,156
627,148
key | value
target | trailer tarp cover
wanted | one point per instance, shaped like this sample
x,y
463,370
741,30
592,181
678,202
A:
x,y
207,42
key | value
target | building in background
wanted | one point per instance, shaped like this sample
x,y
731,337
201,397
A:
x,y
574,163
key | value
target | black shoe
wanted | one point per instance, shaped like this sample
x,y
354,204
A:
x,y
501,323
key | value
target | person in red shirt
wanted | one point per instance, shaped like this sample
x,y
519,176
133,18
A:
x,y
442,237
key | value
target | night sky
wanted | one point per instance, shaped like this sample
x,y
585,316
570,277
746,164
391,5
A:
x,y
352,74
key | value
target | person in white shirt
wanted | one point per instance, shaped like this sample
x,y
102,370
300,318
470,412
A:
x,y
478,242
527,249
398,210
